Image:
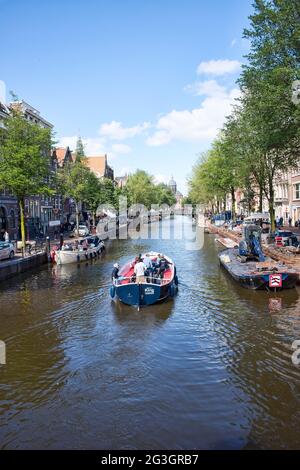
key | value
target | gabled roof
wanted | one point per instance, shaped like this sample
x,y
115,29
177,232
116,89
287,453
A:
x,y
63,154
97,164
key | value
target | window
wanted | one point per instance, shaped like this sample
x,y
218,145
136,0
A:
x,y
12,219
297,191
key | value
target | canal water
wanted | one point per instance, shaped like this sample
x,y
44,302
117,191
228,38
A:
x,y
211,369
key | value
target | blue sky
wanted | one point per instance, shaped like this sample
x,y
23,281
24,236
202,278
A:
x,y
147,82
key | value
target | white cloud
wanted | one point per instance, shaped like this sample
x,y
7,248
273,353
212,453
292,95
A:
x,y
218,67
121,148
115,130
92,145
233,42
208,88
201,123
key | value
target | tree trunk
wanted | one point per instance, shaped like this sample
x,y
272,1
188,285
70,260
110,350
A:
x,y
233,204
271,206
77,218
260,209
22,223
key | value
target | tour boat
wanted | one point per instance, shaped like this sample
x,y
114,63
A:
x,y
267,274
153,290
88,248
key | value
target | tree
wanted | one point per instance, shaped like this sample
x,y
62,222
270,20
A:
x,y
272,118
74,179
79,151
217,173
140,189
99,192
163,195
93,194
25,161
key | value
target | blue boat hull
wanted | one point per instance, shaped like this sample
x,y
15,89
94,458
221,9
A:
x,y
142,294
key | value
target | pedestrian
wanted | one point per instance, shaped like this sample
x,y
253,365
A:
x,y
6,236
61,240
290,221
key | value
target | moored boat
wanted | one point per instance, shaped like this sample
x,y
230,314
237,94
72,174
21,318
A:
x,y
153,289
248,265
267,274
87,248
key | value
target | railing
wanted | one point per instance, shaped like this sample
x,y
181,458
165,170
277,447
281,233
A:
x,y
148,280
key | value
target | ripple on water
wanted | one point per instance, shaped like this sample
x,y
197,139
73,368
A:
x,y
210,369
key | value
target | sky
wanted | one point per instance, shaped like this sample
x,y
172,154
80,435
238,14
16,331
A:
x,y
148,82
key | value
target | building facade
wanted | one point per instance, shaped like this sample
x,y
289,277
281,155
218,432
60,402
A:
x,y
66,213
172,185
40,211
100,167
9,209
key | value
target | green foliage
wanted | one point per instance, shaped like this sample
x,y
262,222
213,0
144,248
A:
x,y
261,139
141,189
79,151
108,193
163,195
74,179
25,158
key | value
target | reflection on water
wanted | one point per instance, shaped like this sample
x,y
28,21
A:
x,y
209,369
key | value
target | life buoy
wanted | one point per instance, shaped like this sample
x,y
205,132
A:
x,y
112,291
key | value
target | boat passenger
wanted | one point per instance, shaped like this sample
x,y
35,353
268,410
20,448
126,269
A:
x,y
139,271
115,271
85,244
149,266
148,262
156,263
163,266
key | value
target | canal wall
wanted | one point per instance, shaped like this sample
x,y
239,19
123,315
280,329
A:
x,y
10,268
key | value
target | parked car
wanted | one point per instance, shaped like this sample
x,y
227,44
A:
x,y
285,238
83,231
7,250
